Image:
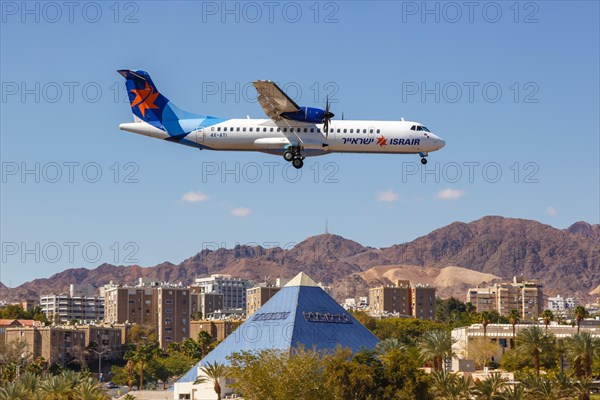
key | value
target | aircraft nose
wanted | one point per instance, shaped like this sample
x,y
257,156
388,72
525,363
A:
x,y
441,143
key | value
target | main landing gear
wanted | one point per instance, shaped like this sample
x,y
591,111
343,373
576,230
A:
x,y
292,154
423,159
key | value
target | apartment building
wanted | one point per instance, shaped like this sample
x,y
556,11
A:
x,y
403,299
173,307
526,296
232,289
257,296
70,344
218,329
80,304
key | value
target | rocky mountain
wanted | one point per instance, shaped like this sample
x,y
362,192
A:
x,y
567,261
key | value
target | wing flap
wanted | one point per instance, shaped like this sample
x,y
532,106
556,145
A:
x,y
273,100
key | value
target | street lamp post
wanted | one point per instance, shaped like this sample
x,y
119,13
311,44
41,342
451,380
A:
x,y
100,353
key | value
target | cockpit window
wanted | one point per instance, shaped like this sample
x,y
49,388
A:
x,y
413,128
425,129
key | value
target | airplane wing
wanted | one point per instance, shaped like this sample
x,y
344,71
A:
x,y
273,100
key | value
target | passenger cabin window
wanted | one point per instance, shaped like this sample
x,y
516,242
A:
x,y
250,129
364,131
305,129
312,129
378,130
345,130
238,129
212,128
351,130
244,129
218,129
370,130
225,129
271,129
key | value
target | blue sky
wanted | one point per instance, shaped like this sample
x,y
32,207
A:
x,y
512,89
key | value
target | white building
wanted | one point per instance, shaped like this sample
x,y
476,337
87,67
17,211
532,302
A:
x,y
561,305
233,289
79,304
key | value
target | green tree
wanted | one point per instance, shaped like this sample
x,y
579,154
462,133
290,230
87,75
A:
x,y
534,341
214,372
205,340
485,319
387,345
435,345
513,318
278,375
141,354
449,386
481,351
547,317
346,378
580,313
489,388
582,348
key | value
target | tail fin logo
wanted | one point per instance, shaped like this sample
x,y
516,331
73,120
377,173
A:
x,y
145,99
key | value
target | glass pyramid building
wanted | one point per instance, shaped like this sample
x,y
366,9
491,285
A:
x,y
301,313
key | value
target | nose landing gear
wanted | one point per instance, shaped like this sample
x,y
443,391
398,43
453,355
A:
x,y
423,159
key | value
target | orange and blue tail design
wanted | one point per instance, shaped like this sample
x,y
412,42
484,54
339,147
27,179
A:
x,y
150,106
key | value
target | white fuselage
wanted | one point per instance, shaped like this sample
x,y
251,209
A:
x,y
265,135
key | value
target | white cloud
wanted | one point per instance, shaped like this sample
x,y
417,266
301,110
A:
x,y
450,194
388,196
194,197
240,212
551,211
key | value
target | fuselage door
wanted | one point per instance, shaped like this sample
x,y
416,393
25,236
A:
x,y
200,135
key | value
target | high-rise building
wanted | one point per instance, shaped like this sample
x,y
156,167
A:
x,y
257,296
173,314
417,301
526,296
233,289
167,308
80,304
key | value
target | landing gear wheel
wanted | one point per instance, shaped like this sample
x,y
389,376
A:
x,y
423,161
288,156
297,163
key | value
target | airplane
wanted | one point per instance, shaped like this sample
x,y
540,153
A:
x,y
290,131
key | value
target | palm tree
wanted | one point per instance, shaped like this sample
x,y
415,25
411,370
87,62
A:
x,y
532,340
514,317
14,391
435,345
59,387
580,313
541,387
142,354
89,389
486,318
547,316
449,386
516,392
388,345
213,372
582,348
488,388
